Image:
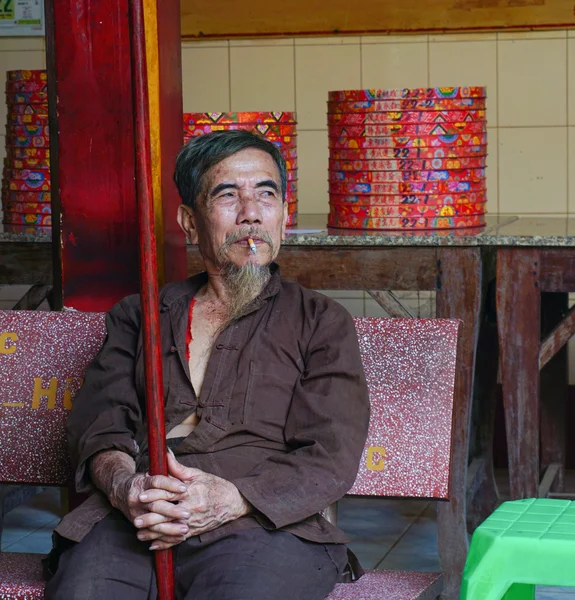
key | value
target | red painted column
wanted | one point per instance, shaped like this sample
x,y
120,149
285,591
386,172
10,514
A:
x,y
92,148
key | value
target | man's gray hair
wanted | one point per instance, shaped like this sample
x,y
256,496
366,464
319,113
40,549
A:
x,y
203,152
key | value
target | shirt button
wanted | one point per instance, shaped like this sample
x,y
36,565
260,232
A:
x,y
219,346
173,349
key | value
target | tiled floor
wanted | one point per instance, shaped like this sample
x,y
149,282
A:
x,y
385,534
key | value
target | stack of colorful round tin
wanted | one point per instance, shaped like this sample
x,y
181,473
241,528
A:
x,y
276,127
26,180
407,158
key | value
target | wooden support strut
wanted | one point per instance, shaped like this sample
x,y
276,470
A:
x,y
557,338
148,278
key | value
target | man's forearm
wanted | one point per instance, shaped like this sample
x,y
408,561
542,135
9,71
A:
x,y
110,470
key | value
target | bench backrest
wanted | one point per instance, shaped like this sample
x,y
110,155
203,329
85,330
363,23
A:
x,y
43,357
410,369
409,364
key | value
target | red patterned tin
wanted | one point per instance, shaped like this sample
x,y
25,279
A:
x,y
40,153
407,210
406,223
38,141
439,93
27,75
26,86
27,180
398,116
27,163
26,119
353,154
404,129
27,98
27,219
280,142
265,129
292,220
34,197
291,175
238,117
27,130
40,110
407,141
409,176
408,164
30,229
404,199
401,188
368,106
28,207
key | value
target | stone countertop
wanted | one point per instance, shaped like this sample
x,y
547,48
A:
x,y
312,231
500,230
533,231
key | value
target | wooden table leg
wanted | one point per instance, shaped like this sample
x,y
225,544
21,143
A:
x,y
482,492
459,297
518,318
554,392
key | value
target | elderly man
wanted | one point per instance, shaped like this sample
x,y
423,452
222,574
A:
x,y
266,412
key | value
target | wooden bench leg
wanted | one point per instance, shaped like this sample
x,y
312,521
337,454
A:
x,y
518,319
459,297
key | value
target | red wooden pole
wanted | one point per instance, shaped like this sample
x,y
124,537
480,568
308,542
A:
x,y
148,278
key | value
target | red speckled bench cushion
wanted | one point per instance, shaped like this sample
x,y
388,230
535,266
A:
x,y
390,585
21,576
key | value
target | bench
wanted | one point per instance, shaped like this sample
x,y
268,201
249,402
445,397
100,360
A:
x,y
410,368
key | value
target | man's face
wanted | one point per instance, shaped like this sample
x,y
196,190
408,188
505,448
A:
x,y
241,197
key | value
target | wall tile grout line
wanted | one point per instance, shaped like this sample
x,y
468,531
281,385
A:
x,y
295,80
567,121
428,44
229,77
497,120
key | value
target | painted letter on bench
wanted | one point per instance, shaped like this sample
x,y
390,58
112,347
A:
x,y
8,341
374,459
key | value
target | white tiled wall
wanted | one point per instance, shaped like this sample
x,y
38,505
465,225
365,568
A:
x,y
530,79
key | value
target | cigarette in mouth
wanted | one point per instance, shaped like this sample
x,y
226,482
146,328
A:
x,y
252,246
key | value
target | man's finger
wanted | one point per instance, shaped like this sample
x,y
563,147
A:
x,y
148,519
153,495
164,482
167,509
170,528
176,469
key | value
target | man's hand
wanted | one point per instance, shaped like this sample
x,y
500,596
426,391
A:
x,y
209,501
114,472
125,496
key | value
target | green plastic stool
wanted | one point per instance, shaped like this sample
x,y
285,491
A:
x,y
522,544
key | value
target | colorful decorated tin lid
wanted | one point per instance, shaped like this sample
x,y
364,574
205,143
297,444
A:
x,y
407,210
27,75
419,152
405,199
393,117
404,129
406,223
219,118
407,93
407,176
410,104
408,141
402,164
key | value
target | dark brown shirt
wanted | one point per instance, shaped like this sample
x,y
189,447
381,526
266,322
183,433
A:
x,y
283,411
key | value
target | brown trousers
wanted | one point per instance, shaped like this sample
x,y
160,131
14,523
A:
x,y
250,564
